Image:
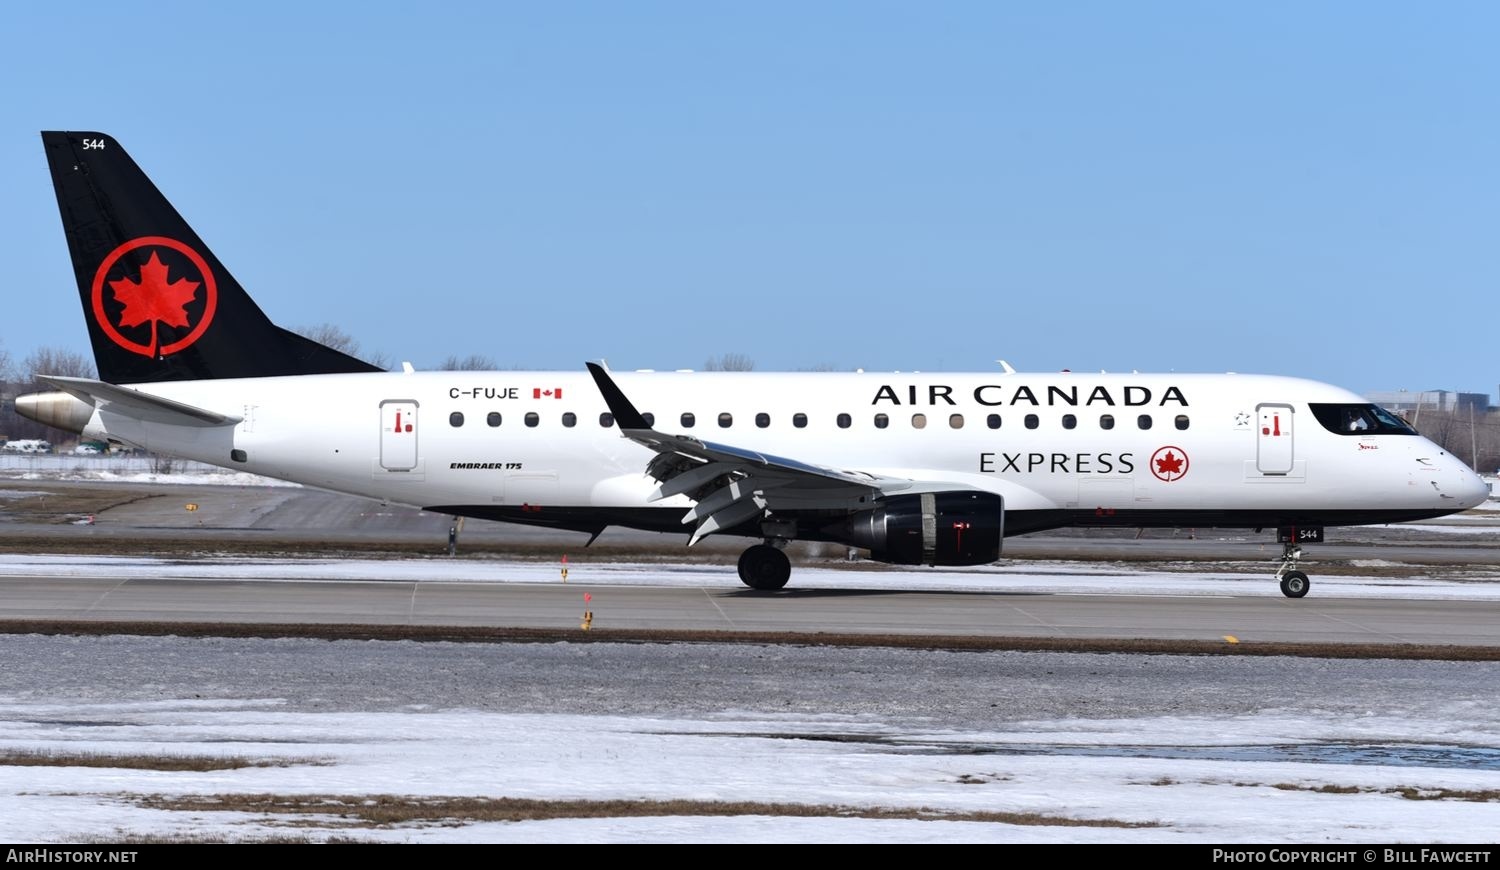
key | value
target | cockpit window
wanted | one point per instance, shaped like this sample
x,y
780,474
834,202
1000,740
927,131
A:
x,y
1359,420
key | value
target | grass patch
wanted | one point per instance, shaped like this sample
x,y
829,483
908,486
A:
x,y
388,810
1323,789
128,838
134,839
961,643
27,758
67,504
982,778
1411,793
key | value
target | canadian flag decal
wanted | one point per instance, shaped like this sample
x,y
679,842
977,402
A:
x,y
539,393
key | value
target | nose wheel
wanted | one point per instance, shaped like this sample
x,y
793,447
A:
x,y
1294,583
765,568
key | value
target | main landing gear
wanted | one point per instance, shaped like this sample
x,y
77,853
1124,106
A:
x,y
1294,583
765,567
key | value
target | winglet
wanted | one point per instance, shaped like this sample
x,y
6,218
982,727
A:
x,y
624,413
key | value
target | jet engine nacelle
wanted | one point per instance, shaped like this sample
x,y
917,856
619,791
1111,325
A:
x,y
932,528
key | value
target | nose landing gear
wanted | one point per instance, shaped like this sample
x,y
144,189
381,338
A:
x,y
1294,583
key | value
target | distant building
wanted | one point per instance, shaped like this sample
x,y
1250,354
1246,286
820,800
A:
x,y
1407,402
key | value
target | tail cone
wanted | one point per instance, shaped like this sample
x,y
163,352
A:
x,y
57,409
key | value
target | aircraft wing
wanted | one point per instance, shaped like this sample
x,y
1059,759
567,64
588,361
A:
x,y
136,404
732,485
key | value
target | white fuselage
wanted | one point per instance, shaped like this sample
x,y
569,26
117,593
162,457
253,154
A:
x,y
1232,449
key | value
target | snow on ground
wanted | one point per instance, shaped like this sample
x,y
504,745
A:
x,y
223,478
759,757
21,493
126,469
1242,778
1040,576
1466,519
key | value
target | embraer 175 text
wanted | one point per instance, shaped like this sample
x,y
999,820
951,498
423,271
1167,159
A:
x,y
931,469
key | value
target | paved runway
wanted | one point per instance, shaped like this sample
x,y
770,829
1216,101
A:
x,y
557,606
128,515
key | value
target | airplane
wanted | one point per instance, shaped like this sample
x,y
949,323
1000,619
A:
x,y
917,469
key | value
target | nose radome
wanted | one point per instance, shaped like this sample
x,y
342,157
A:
x,y
1474,491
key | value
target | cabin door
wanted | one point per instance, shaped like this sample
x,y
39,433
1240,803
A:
x,y
398,435
1273,439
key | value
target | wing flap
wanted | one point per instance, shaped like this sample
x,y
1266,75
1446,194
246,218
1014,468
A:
x,y
729,516
672,449
689,480
731,485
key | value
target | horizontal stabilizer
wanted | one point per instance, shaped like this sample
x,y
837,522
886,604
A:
x,y
136,404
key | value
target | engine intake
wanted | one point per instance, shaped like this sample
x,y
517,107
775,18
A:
x,y
932,528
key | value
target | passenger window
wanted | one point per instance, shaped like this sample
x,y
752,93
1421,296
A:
x,y
688,420
844,421
606,419
456,419
1143,421
919,421
1070,421
955,421
493,419
726,420
799,420
532,418
1181,421
1107,421
650,419
993,421
570,419
1032,421
882,421
762,420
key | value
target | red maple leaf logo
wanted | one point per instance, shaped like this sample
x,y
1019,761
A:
x,y
1169,464
153,298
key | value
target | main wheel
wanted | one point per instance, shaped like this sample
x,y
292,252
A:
x,y
1294,584
765,568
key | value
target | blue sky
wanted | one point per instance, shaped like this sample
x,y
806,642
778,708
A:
x,y
1306,189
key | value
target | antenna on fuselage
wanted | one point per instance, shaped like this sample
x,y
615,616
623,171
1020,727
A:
x,y
1007,366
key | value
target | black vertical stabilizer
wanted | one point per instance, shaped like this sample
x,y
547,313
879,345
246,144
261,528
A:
x,y
159,305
